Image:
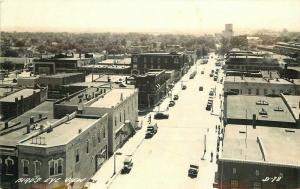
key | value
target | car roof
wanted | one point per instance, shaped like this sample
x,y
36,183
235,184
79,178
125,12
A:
x,y
127,159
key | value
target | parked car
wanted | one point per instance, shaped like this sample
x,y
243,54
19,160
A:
x,y
127,165
161,115
211,75
193,170
175,97
215,78
201,88
211,93
183,87
202,72
208,106
171,103
151,130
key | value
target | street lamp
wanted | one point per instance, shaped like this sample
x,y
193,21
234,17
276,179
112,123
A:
x,y
116,153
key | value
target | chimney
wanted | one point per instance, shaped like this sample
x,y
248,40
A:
x,y
6,125
22,97
31,120
254,121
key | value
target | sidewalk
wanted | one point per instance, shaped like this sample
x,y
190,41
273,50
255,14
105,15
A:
x,y
104,176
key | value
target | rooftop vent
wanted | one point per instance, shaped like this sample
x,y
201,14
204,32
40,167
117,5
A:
x,y
262,102
79,131
278,109
263,112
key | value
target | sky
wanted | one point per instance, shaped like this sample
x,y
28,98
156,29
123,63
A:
x,y
171,16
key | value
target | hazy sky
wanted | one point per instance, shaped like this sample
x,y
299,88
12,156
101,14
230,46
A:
x,y
190,16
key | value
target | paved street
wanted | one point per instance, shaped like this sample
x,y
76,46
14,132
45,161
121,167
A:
x,y
163,161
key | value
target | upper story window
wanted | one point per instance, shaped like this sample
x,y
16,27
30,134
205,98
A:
x,y
134,59
25,166
99,137
249,91
55,167
51,168
77,155
60,166
37,168
233,170
87,146
9,166
257,172
1,166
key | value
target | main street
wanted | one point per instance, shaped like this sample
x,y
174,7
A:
x,y
163,161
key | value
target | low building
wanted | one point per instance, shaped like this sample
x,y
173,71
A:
x,y
32,81
121,106
20,101
143,62
15,63
56,81
259,86
15,130
250,62
259,157
152,87
53,152
266,111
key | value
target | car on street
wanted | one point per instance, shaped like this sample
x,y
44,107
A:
x,y
171,103
208,106
215,78
201,88
202,72
175,97
127,165
211,93
151,130
193,170
161,115
183,87
211,75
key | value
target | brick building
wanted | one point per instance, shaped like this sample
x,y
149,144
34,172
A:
x,y
21,101
259,157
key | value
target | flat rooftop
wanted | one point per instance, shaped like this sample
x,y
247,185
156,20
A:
x,y
13,137
6,90
59,136
255,80
24,92
113,97
60,75
294,104
280,145
237,105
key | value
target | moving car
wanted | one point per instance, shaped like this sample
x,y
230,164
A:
x,y
211,93
151,130
201,88
171,103
183,87
193,170
202,72
127,165
161,115
215,78
175,97
211,75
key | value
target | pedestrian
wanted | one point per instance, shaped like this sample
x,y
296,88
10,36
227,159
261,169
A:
x,y
216,128
211,156
149,119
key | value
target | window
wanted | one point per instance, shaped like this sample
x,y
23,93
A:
x,y
25,166
59,166
51,168
77,155
257,172
256,185
120,117
103,133
257,91
273,91
234,171
87,146
99,137
249,91
265,91
234,184
124,116
37,168
94,140
1,166
9,166
115,121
